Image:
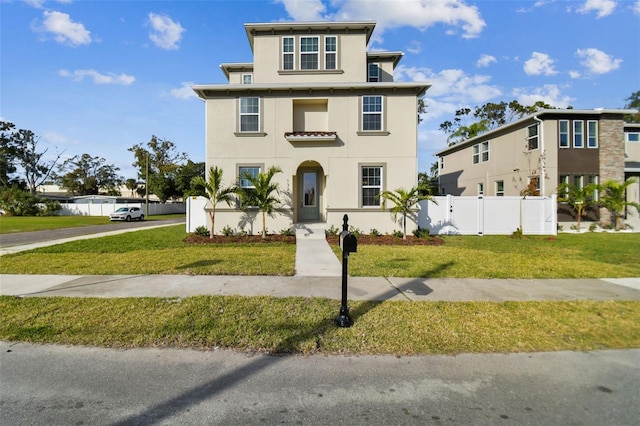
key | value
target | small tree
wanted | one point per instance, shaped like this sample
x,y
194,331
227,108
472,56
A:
x,y
579,198
614,199
262,194
403,201
215,191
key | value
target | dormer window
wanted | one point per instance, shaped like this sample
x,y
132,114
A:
x,y
309,53
373,73
247,78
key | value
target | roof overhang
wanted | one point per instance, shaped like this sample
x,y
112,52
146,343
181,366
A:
x,y
236,67
282,28
385,56
206,91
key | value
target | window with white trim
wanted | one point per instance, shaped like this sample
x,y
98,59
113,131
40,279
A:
x,y
309,53
481,189
563,133
288,53
247,170
480,152
500,188
250,114
592,134
373,73
371,185
578,134
372,113
632,137
247,78
593,180
331,52
532,137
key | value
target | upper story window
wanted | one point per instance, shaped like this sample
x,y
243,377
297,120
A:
x,y
563,133
373,73
532,137
632,137
372,113
288,53
247,78
592,134
250,114
578,134
331,52
480,152
309,53
441,162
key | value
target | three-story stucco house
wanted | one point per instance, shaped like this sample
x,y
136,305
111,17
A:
x,y
317,104
541,151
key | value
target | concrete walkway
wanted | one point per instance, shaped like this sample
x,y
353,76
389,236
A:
x,y
314,257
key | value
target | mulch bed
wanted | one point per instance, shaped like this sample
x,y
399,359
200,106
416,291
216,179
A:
x,y
381,240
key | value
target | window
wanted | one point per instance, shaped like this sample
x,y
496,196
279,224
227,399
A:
x,y
288,53
578,141
442,162
578,182
371,185
592,134
372,113
331,53
481,189
309,53
563,133
633,136
593,180
373,73
247,78
564,180
480,152
250,114
500,188
247,170
532,137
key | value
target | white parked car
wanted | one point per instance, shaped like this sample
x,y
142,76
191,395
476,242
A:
x,y
127,214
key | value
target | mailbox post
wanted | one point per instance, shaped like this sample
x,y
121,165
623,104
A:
x,y
348,244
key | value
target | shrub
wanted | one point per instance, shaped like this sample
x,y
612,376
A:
x,y
203,231
593,227
228,231
333,231
374,232
288,232
355,231
421,232
517,233
398,234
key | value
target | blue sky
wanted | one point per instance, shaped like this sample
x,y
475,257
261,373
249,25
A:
x,y
97,77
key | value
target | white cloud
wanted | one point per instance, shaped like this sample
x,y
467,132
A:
x,y
415,47
636,7
603,7
38,4
574,74
539,64
549,93
64,30
598,62
420,14
485,61
184,92
98,78
165,33
450,89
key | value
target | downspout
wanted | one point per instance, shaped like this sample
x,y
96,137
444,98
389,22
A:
x,y
542,157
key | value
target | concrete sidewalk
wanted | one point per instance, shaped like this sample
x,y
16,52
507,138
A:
x,y
359,288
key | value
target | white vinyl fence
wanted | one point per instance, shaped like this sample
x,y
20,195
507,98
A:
x,y
489,215
105,209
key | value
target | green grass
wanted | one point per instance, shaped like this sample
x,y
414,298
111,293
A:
x,y
304,325
162,251
592,255
12,224
153,251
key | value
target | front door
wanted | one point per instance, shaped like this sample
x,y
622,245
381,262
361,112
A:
x,y
308,196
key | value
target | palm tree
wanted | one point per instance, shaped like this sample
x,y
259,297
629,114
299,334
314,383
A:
x,y
579,198
215,191
262,194
614,199
403,201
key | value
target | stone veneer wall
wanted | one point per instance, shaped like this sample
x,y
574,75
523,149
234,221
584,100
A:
x,y
611,154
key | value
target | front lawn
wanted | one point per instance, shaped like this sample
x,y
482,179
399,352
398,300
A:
x,y
12,224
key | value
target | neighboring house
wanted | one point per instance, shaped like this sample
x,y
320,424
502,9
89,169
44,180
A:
x,y
316,104
540,151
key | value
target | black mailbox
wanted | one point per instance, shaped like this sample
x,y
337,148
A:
x,y
348,242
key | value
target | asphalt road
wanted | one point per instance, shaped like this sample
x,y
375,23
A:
x,y
21,238
75,385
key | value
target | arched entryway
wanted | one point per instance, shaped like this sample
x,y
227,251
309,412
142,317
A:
x,y
309,192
